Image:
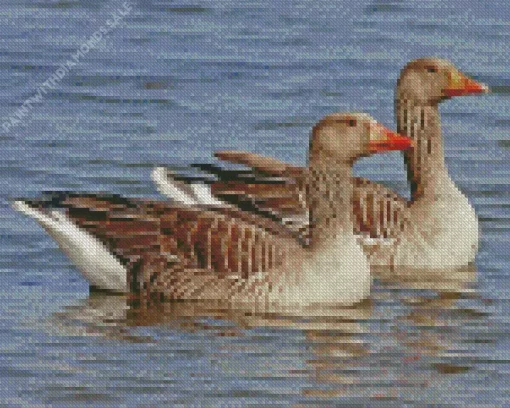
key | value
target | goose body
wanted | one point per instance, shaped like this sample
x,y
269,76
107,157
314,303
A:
x,y
199,253
436,229
445,237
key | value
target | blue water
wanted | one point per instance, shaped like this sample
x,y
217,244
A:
x,y
175,81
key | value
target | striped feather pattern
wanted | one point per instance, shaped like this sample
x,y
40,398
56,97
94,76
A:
x,y
378,211
181,252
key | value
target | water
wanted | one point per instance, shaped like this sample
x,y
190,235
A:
x,y
176,81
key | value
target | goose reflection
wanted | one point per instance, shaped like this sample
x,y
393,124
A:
x,y
432,327
101,312
408,340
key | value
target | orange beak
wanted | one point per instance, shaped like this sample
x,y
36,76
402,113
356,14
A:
x,y
382,139
460,85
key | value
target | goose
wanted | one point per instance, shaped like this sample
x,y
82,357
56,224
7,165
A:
x,y
436,229
198,253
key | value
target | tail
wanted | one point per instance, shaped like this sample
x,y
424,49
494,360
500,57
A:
x,y
97,264
182,192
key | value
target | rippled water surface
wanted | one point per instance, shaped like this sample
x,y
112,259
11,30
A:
x,y
175,81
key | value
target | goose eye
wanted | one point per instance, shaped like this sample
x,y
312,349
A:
x,y
352,123
431,69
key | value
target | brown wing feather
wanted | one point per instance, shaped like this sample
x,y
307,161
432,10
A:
x,y
378,211
227,241
262,164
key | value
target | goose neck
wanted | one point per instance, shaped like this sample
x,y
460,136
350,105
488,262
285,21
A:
x,y
426,167
329,192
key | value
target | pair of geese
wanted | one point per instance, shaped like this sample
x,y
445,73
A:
x,y
199,247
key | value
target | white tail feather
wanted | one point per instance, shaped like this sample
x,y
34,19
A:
x,y
169,188
184,193
97,264
204,195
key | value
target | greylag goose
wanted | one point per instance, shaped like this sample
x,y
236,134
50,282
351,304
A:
x,y
224,253
436,229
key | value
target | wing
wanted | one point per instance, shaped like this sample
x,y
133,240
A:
x,y
226,241
276,188
261,164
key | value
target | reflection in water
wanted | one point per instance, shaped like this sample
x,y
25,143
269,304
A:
x,y
409,338
444,280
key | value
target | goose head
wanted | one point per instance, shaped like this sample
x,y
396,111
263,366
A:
x,y
431,80
345,137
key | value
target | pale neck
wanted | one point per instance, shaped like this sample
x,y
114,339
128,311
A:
x,y
329,195
425,162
